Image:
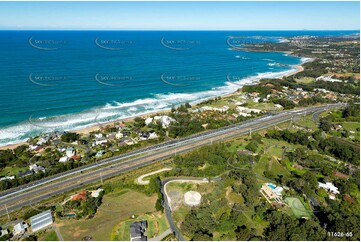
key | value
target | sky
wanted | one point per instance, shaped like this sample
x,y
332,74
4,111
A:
x,y
180,15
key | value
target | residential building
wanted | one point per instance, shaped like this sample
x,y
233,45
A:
x,y
137,231
20,228
25,173
69,152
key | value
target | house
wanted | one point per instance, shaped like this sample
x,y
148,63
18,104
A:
x,y
314,202
20,228
153,135
43,140
164,120
64,159
25,173
69,152
80,196
330,188
340,175
98,136
35,168
278,106
41,220
148,121
137,231
247,110
4,232
100,153
96,192
129,142
144,135
119,135
269,194
100,141
112,135
34,147
7,178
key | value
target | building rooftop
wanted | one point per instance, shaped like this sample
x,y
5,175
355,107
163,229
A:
x,y
41,220
137,231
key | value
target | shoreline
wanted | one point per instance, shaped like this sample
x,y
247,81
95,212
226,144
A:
x,y
96,127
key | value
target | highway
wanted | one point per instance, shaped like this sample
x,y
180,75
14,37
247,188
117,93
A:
x,y
16,198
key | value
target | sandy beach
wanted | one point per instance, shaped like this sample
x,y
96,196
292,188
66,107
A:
x,y
130,119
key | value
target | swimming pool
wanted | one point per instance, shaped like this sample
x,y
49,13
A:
x,y
271,185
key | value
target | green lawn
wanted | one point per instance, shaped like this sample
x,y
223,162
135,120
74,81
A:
x,y
351,125
51,236
10,171
298,209
306,122
305,80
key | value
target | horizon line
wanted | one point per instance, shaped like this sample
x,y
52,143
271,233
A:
x,y
179,29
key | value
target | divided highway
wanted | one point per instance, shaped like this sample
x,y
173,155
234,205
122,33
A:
x,y
34,192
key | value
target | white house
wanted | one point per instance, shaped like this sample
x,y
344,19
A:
x,y
148,121
164,120
36,168
69,152
20,228
64,159
98,136
248,110
119,135
329,187
7,178
100,142
96,192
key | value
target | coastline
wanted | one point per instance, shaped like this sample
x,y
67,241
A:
x,y
96,127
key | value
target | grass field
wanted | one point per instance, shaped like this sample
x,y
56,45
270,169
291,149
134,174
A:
x,y
157,223
51,236
116,207
47,235
298,209
305,80
306,122
350,125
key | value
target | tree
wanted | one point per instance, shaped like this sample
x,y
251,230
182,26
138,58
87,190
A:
x,y
70,137
325,124
252,146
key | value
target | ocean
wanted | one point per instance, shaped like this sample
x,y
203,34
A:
x,y
66,80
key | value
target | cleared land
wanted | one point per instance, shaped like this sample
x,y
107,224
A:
x,y
115,208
